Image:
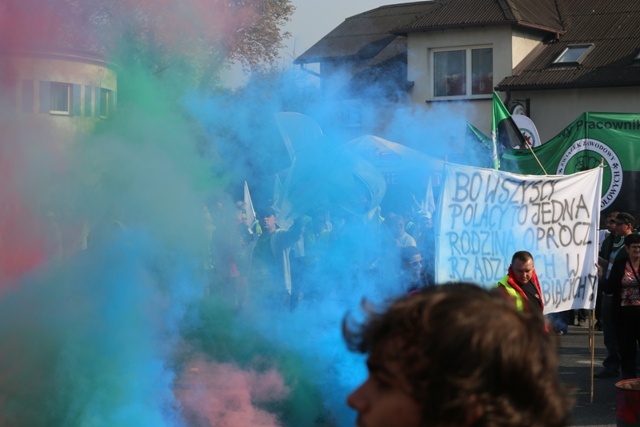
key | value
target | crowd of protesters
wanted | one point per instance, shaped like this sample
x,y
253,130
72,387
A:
x,y
279,260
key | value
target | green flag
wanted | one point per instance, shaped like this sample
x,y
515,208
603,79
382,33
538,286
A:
x,y
504,131
610,139
475,134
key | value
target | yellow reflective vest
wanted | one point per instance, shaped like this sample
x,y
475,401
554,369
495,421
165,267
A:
x,y
517,297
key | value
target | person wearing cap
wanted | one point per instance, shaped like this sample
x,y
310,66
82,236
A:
x,y
624,226
270,276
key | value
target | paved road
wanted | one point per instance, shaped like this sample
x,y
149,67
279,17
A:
x,y
575,369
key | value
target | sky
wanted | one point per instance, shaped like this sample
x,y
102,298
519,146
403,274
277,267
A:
x,y
312,20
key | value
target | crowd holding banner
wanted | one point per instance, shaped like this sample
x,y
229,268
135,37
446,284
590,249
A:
x,y
486,215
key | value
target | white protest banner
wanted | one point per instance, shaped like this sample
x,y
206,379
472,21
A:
x,y
487,215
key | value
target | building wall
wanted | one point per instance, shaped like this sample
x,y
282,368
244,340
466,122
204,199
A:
x,y
420,45
476,111
523,41
510,47
550,110
554,110
27,81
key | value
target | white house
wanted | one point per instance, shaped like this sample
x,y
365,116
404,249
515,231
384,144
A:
x,y
549,59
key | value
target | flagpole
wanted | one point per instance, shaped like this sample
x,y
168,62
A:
x,y
592,335
536,157
592,348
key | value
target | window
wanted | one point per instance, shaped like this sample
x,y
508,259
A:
x,y
573,55
464,72
450,76
106,103
60,98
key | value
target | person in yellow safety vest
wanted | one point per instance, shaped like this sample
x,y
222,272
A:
x,y
521,283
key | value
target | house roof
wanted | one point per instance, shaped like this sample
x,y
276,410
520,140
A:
x,y
377,35
539,14
610,26
365,35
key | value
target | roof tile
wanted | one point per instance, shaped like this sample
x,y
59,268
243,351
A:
x,y
375,36
610,25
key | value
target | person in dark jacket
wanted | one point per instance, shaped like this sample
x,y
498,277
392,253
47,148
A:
x,y
624,225
624,285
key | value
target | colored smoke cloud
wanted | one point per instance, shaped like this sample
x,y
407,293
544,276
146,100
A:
x,y
116,305
223,394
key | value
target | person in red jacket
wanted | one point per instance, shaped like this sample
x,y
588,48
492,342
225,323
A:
x,y
521,283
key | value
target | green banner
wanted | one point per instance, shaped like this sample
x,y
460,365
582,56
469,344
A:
x,y
612,139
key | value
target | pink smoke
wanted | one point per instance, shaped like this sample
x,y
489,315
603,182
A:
x,y
223,395
179,26
26,23
22,243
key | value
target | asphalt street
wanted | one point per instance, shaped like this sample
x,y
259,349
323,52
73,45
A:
x,y
595,400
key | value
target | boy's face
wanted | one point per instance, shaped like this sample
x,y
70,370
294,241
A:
x,y
381,401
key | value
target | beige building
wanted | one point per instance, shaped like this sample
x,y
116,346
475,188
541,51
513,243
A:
x,y
48,99
60,92
549,59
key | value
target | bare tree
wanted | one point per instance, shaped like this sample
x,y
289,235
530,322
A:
x,y
195,34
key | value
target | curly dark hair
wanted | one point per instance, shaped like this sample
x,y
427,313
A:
x,y
468,357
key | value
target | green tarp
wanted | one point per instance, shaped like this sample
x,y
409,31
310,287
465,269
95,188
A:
x,y
612,139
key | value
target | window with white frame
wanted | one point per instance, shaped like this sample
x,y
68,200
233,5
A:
x,y
60,98
463,73
573,54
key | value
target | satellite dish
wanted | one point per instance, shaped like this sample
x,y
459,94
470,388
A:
x,y
519,109
528,129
